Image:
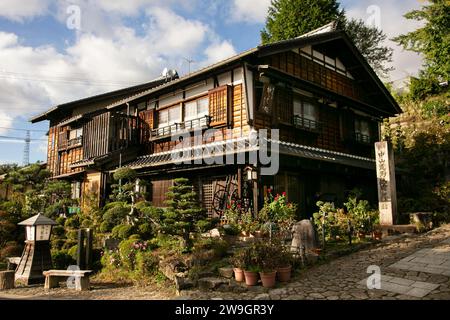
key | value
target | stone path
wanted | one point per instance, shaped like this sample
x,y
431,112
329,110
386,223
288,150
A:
x,y
412,267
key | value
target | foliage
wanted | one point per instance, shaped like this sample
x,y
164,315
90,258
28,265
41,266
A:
x,y
218,247
115,213
331,222
421,141
288,19
62,259
362,217
128,250
122,231
431,39
183,214
369,41
146,263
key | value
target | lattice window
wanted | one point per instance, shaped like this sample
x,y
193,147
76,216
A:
x,y
207,196
218,105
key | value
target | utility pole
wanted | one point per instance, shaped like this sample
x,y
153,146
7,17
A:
x,y
26,149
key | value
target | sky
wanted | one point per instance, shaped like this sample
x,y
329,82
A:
x,y
55,51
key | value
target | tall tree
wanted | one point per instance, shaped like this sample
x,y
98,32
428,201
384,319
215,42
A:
x,y
432,40
183,214
288,19
369,42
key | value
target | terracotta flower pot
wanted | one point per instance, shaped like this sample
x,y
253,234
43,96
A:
x,y
251,278
238,274
284,274
268,279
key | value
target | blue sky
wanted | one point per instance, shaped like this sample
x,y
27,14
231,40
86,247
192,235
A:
x,y
43,61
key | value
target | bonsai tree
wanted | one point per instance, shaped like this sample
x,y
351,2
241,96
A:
x,y
183,214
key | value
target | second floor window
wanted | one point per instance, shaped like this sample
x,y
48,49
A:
x,y
196,109
169,116
362,130
305,113
75,133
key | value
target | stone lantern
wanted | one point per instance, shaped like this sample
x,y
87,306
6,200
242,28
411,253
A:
x,y
36,256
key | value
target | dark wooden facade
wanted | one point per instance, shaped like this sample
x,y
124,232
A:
x,y
317,90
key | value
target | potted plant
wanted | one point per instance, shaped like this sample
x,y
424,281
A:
x,y
284,266
251,275
239,260
268,255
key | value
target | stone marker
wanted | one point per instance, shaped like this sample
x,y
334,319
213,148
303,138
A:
x,y
303,235
6,280
387,196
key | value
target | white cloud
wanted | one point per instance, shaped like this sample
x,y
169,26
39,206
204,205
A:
x,y
249,11
393,23
21,10
34,78
219,51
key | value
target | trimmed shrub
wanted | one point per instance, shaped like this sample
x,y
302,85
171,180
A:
x,y
122,232
146,230
72,222
146,263
106,226
62,259
73,252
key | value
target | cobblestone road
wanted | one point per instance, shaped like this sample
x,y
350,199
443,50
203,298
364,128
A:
x,y
412,267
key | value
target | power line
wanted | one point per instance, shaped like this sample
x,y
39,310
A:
x,y
18,129
20,138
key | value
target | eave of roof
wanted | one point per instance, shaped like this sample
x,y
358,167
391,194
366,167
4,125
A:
x,y
185,78
139,87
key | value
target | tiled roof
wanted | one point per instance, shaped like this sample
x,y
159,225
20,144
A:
x,y
323,154
242,145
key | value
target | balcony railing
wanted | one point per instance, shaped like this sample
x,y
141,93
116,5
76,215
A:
x,y
362,138
202,122
65,143
306,124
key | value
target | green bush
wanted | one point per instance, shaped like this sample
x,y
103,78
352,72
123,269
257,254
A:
x,y
146,263
62,259
86,223
60,220
128,254
58,243
145,230
106,226
72,222
58,231
116,212
73,251
122,232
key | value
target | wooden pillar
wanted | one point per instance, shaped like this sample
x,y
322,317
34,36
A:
x,y
6,280
255,198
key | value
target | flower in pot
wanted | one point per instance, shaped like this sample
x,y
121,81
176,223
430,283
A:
x,y
239,261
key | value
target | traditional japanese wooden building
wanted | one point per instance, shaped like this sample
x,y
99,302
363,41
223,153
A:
x,y
317,90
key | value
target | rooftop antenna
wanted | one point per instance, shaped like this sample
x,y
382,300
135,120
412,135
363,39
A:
x,y
189,61
26,149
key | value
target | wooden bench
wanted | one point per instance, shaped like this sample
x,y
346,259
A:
x,y
81,277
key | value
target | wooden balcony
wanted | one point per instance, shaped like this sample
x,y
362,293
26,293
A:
x,y
189,125
64,143
306,124
363,138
